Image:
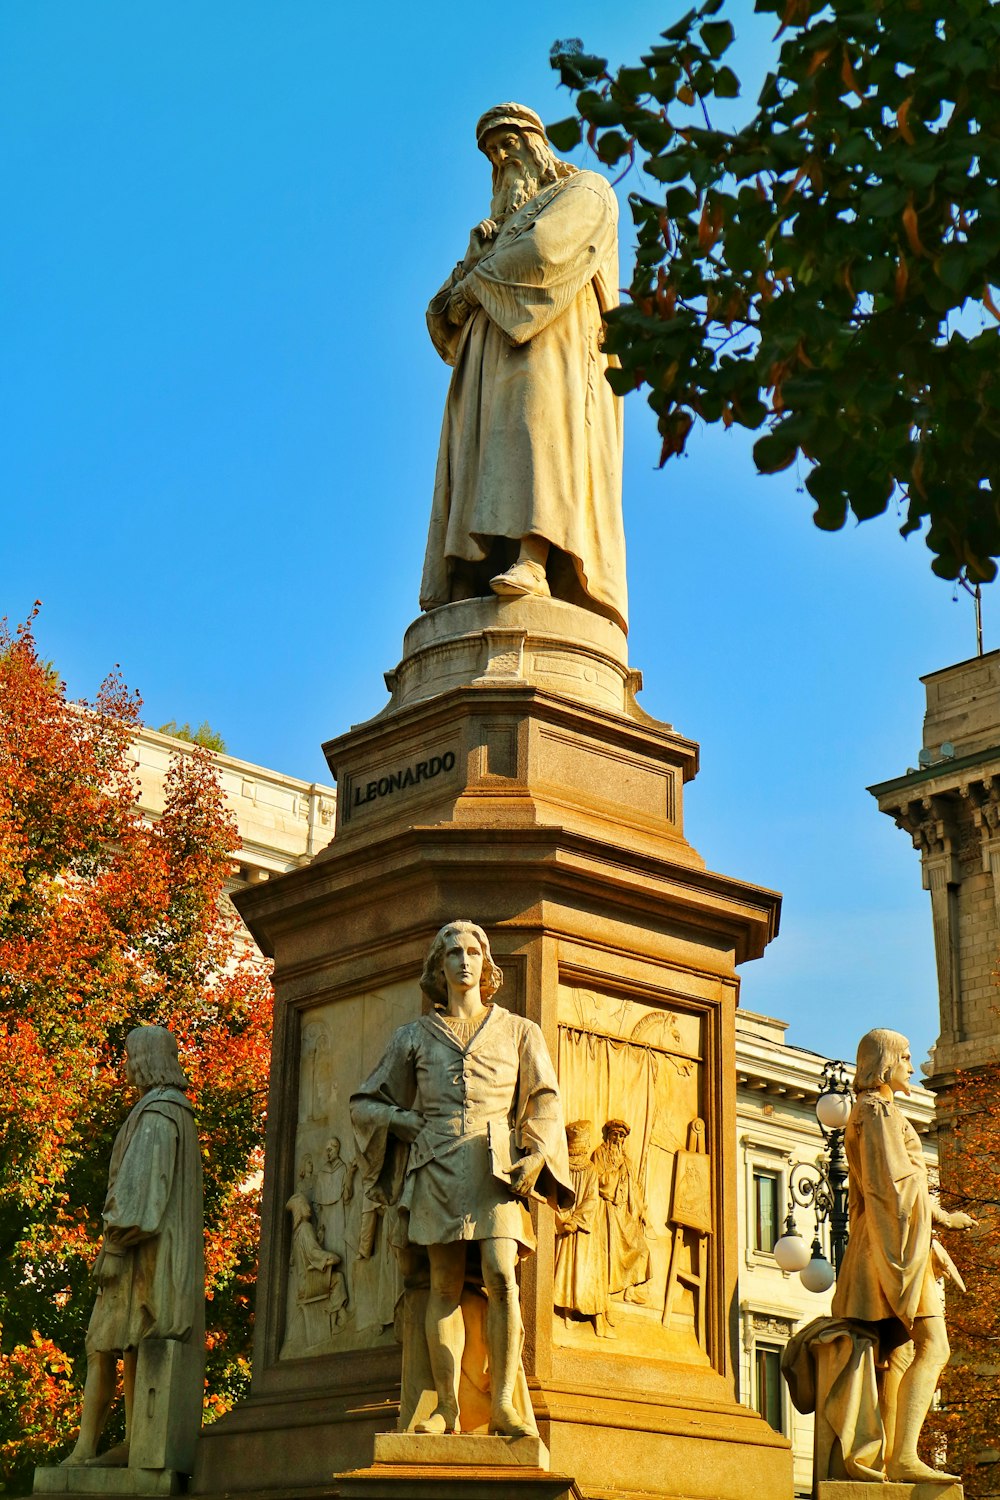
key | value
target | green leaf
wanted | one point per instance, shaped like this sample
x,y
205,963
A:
x,y
774,452
717,36
612,147
727,85
564,134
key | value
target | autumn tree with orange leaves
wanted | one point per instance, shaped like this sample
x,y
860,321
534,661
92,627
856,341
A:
x,y
967,1423
107,923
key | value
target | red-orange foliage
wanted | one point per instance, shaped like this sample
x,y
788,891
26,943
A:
x,y
968,1420
106,923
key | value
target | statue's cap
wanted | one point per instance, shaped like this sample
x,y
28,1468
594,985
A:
x,y
517,115
578,1136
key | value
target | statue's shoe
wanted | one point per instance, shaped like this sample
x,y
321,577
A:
x,y
437,1423
913,1471
523,578
506,1422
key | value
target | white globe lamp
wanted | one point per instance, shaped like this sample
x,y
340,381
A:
x,y
833,1110
818,1275
791,1251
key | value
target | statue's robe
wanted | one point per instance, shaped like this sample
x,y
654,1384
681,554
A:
x,y
888,1275
532,434
580,1283
620,1221
483,1104
153,1220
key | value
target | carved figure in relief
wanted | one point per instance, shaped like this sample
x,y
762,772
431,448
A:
x,y
889,1274
150,1271
580,1284
331,1194
320,1290
623,1214
529,469
457,1125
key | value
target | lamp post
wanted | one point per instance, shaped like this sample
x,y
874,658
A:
x,y
821,1186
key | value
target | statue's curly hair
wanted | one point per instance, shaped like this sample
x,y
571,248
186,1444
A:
x,y
432,980
878,1053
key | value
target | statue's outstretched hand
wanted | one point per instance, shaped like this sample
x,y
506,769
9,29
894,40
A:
x,y
960,1220
525,1173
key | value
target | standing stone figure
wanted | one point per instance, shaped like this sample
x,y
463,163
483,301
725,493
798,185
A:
x,y
459,1122
332,1192
527,495
580,1284
889,1273
150,1272
623,1214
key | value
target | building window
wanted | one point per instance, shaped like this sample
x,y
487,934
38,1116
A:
x,y
765,1210
767,1372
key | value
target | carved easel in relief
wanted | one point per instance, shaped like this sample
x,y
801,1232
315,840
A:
x,y
691,1215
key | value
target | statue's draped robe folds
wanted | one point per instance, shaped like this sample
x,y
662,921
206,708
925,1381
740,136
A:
x,y
620,1218
499,1088
154,1195
532,434
580,1283
888,1273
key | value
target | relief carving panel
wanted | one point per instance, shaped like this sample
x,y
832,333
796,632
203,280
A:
x,y
632,1257
343,1277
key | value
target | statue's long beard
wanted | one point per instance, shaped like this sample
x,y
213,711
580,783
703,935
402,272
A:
x,y
515,188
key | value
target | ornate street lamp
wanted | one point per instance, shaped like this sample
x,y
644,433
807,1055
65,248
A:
x,y
823,1188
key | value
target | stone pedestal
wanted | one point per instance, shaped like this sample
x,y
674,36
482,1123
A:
x,y
96,1481
408,1467
850,1489
514,780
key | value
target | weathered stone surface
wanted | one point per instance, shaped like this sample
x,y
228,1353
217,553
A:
x,y
107,1482
849,1489
479,1450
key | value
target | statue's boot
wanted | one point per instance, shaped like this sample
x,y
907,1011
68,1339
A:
x,y
522,579
439,1421
505,1421
909,1469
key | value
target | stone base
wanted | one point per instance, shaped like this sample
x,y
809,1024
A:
x,y
415,1466
543,642
862,1489
90,1479
479,1450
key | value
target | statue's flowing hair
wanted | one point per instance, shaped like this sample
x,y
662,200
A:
x,y
432,980
152,1055
878,1053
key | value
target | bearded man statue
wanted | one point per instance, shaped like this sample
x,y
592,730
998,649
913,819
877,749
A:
x,y
527,495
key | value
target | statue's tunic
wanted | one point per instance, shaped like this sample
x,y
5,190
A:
x,y
499,1087
153,1219
887,1272
532,435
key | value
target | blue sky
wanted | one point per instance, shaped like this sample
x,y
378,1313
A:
x,y
221,411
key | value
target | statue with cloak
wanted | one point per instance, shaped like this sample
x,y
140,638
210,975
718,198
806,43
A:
x,y
527,494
